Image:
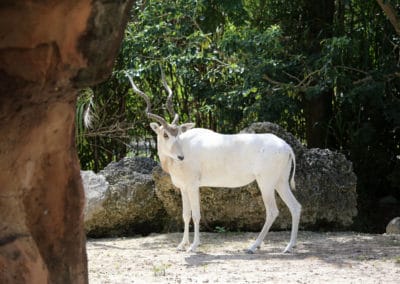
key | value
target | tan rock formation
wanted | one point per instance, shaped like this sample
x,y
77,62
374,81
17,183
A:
x,y
48,50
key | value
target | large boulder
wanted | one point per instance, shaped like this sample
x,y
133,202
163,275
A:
x,y
48,50
394,226
121,200
325,186
96,187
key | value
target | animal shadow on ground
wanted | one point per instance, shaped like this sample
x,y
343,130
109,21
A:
x,y
337,248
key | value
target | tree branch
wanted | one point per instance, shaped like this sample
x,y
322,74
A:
x,y
390,12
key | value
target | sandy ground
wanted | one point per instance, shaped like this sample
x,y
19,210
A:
x,y
340,257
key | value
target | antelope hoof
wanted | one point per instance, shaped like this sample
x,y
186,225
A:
x,y
182,246
252,249
192,248
288,249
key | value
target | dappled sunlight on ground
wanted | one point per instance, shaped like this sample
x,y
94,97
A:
x,y
340,257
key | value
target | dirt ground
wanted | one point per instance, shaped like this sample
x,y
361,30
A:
x,y
340,257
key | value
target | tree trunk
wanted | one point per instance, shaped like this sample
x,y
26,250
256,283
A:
x,y
318,112
318,108
391,13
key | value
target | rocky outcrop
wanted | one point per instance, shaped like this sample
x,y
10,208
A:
x,y
121,200
96,187
268,127
48,50
325,186
124,200
394,226
233,209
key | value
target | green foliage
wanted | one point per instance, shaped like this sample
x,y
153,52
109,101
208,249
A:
x,y
220,230
231,63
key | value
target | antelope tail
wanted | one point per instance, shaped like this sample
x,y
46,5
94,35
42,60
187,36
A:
x,y
292,158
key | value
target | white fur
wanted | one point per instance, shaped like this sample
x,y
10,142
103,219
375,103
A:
x,y
200,157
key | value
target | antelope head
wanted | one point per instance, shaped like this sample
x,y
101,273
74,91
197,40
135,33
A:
x,y
168,140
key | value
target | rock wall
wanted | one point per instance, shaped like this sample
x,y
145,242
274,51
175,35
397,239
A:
x,y
325,186
139,198
127,203
48,50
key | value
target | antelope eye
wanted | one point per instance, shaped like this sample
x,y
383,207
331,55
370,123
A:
x,y
166,135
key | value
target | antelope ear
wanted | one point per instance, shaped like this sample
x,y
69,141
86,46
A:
x,y
155,127
186,126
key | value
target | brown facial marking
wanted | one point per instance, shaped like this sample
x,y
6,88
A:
x,y
172,129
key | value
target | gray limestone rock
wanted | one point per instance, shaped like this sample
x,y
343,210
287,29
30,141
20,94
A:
x,y
325,186
140,197
394,226
95,186
129,204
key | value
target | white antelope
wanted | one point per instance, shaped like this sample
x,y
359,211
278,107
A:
x,y
196,157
